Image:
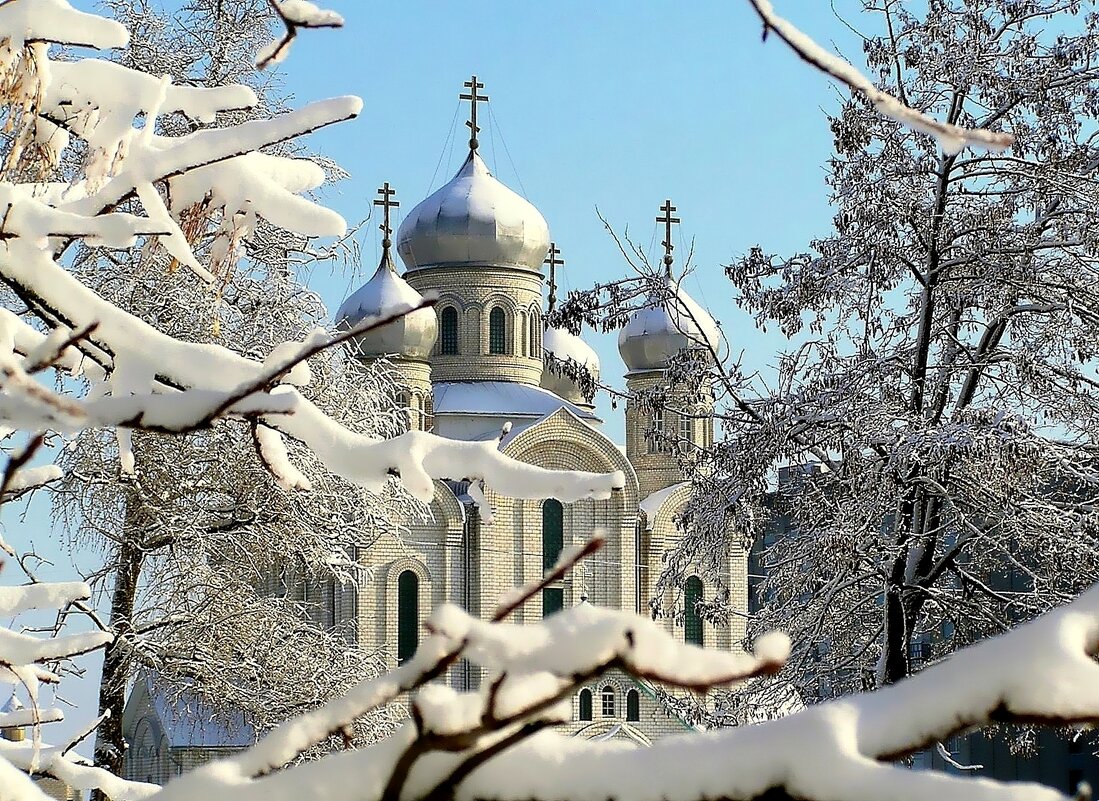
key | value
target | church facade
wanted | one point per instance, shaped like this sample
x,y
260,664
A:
x,y
481,359
477,365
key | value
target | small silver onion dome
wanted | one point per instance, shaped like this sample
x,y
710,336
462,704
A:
x,y
412,336
670,321
564,346
473,219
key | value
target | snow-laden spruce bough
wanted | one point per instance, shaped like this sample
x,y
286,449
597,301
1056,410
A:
x,y
493,743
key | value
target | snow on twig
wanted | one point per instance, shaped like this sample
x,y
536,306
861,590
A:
x,y
294,14
952,138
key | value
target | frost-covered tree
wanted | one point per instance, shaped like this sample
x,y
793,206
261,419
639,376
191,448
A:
x,y
935,419
491,743
945,379
214,578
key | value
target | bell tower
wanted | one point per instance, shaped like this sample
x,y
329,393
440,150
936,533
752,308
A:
x,y
665,420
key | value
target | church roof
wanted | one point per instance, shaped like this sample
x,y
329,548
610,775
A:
x,y
412,335
473,220
500,399
651,505
190,722
670,321
565,346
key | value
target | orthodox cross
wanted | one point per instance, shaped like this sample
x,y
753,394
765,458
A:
x,y
474,98
554,262
668,221
386,202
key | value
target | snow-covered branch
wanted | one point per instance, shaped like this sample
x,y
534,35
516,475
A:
x,y
952,138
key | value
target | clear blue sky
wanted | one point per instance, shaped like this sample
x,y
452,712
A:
x,y
612,104
615,105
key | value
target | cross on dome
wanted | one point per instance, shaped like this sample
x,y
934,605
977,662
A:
x,y
474,98
554,262
387,203
668,221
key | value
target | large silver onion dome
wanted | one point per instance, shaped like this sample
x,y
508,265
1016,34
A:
x,y
474,219
566,347
412,336
670,322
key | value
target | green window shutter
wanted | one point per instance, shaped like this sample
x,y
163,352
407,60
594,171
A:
x,y
633,707
585,705
692,620
553,600
553,532
408,615
448,337
497,332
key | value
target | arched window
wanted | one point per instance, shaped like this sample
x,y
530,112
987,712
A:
x,y
686,431
497,332
585,705
535,335
408,615
448,336
553,532
524,333
608,701
429,412
633,707
692,619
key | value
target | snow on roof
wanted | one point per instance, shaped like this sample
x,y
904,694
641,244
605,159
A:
x,y
474,219
190,722
651,505
500,399
13,704
565,346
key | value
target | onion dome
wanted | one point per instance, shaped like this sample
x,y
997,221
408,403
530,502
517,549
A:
x,y
474,219
670,321
411,336
566,347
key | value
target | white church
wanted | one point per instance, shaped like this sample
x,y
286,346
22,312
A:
x,y
473,363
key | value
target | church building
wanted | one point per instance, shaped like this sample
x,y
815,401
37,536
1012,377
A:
x,y
480,359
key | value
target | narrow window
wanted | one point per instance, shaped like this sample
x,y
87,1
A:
x,y
497,332
656,435
429,412
553,600
686,431
608,701
585,705
553,532
524,333
535,335
408,615
448,337
633,707
692,618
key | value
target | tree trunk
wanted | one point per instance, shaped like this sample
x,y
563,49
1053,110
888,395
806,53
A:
x,y
110,745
